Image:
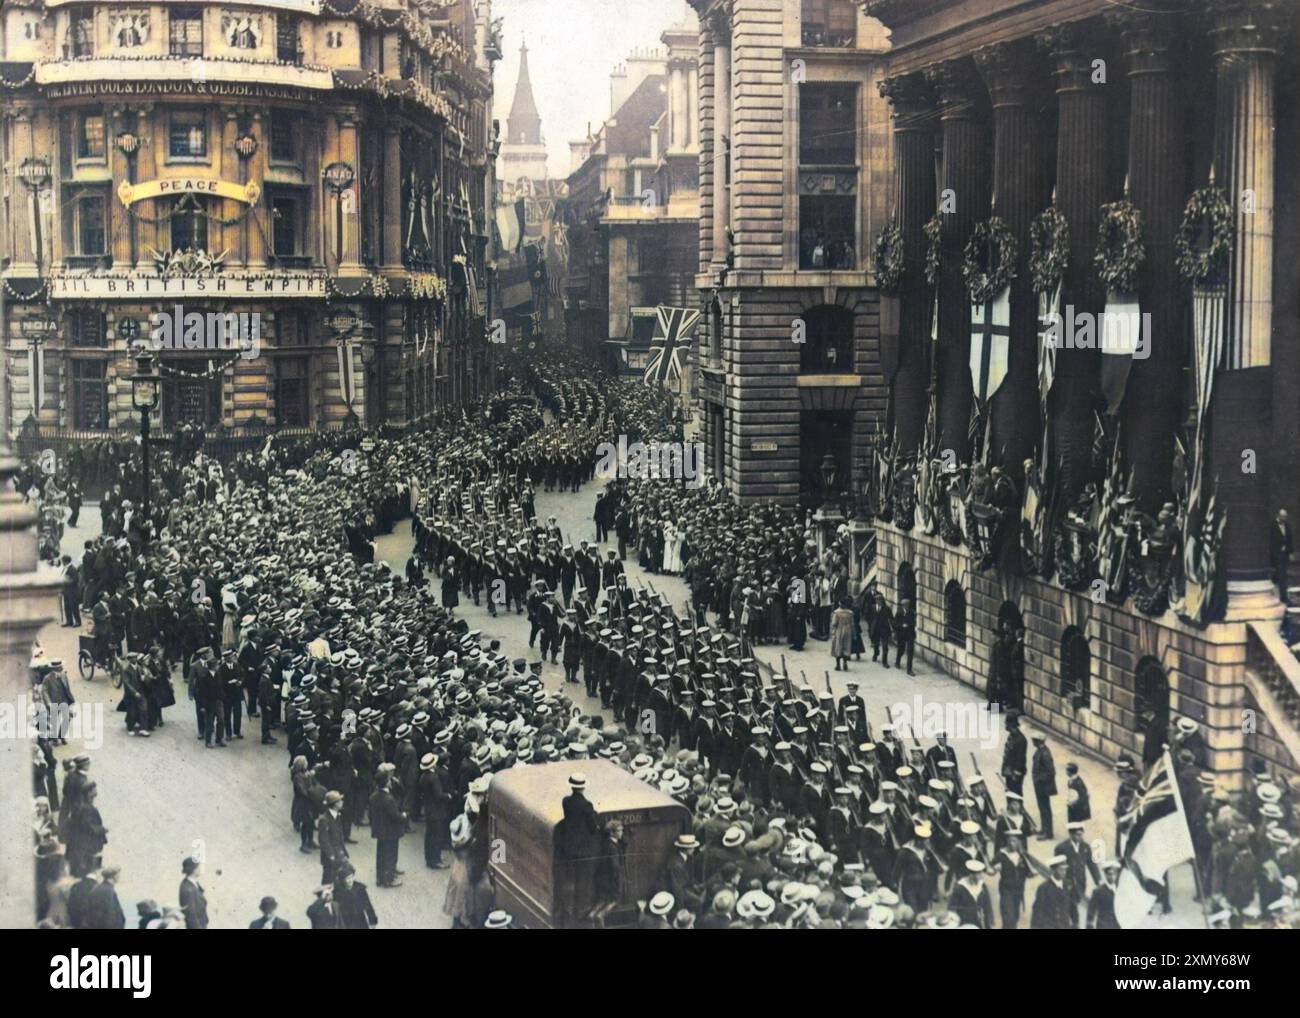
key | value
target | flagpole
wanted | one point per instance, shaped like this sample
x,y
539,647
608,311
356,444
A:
x,y
1196,868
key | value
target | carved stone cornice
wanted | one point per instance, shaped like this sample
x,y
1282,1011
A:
x,y
909,96
958,89
1072,48
1152,36
1240,28
1010,71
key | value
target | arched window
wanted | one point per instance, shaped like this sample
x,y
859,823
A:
x,y
715,330
827,347
954,613
1076,667
906,583
1151,694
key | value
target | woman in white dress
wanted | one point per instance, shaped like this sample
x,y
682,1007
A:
x,y
672,548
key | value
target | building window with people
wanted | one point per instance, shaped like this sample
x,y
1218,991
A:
x,y
185,33
90,136
291,392
81,34
827,178
829,23
827,347
89,393
188,135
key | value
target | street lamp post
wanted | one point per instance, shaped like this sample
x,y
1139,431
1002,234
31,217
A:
x,y
144,397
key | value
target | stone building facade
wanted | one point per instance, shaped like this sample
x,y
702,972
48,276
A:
x,y
795,155
325,168
1080,104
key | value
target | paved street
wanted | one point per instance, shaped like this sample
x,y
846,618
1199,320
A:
x,y
165,797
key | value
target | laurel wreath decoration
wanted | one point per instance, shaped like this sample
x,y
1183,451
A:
x,y
989,260
1203,242
933,231
889,258
1120,248
1049,249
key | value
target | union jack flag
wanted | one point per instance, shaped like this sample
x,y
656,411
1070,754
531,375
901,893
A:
x,y
674,326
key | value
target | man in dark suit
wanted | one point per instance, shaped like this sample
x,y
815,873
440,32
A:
x,y
1078,804
577,840
192,900
1052,909
858,722
1015,754
1079,866
1044,785
104,911
79,901
323,913
268,920
329,832
387,825
353,901
1279,552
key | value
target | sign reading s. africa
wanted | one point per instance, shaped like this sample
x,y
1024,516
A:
x,y
248,193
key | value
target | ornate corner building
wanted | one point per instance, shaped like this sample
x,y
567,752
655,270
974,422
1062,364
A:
x,y
794,169
1113,569
322,169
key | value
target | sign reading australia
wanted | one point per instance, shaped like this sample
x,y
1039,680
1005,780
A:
x,y
92,286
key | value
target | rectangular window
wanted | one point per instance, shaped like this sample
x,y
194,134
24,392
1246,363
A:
x,y
284,226
187,399
81,34
830,23
287,46
827,227
89,394
190,227
291,329
89,217
652,254
291,406
188,137
185,33
90,136
828,131
86,328
284,145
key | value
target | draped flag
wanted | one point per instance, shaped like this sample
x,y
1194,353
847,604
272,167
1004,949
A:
x,y
347,377
510,224
990,342
1049,308
665,364
1156,839
1120,339
1207,345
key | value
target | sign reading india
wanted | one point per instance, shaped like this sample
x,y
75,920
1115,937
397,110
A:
x,y
247,193
233,285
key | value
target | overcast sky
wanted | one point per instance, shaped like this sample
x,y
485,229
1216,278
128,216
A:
x,y
572,47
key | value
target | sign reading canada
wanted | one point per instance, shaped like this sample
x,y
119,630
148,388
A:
x,y
247,193
232,285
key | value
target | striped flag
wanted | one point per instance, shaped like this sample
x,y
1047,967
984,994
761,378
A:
x,y
1207,346
1156,839
665,364
1049,307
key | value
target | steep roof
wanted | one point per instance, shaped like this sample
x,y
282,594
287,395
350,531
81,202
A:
x,y
524,125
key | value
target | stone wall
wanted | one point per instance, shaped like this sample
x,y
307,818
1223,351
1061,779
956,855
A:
x,y
1205,668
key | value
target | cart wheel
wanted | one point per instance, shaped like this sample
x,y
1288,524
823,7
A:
x,y
86,665
117,678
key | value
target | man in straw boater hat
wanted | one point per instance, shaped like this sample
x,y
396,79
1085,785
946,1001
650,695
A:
x,y
576,841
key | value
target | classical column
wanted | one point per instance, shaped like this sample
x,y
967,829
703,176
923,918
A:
x,y
25,206
1158,187
1020,192
256,235
350,152
963,119
146,168
1247,39
912,105
392,232
1082,177
705,99
721,141
28,590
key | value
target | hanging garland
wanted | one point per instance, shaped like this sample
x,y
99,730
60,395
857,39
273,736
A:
x,y
889,258
27,80
1049,249
989,260
1120,250
215,369
1207,214
933,231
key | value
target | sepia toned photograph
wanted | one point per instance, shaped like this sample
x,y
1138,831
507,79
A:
x,y
651,464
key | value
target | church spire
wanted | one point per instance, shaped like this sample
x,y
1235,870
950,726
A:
x,y
524,125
